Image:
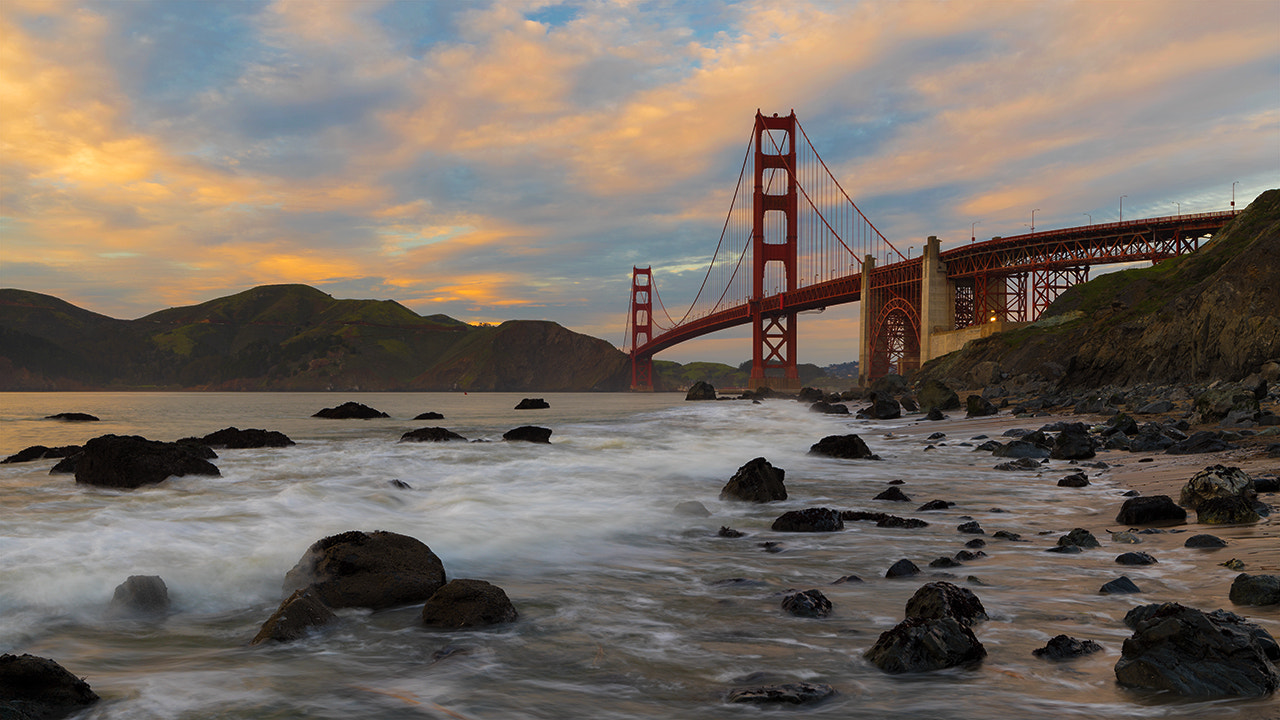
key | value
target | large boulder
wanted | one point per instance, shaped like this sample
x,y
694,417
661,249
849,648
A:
x,y
1227,511
1189,652
140,595
468,603
701,390
431,434
882,408
1020,449
40,452
351,411
1065,647
849,447
1151,510
37,688
129,461
943,599
810,603
1204,441
809,520
371,570
757,481
1249,589
299,612
1215,404
925,644
528,433
1072,444
978,406
1217,481
935,395
234,438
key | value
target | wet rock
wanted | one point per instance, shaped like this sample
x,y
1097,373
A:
x,y
935,505
1200,442
528,433
935,414
129,461
977,406
1125,536
902,568
944,562
540,404
757,481
692,508
1151,438
882,519
1157,407
1249,589
1215,404
809,520
350,411
991,446
1080,538
72,417
67,464
827,408
934,395
40,452
1189,652
849,447
1120,586
400,484
799,693
1018,449
431,434
701,391
1135,558
36,688
1217,481
1205,541
1227,511
236,439
847,579
893,494
468,603
728,532
925,644
373,570
1151,510
1267,484
883,408
299,612
140,595
1072,444
1065,647
1065,549
972,527
967,555
810,394
429,416
1233,564
810,603
943,599
1019,464
976,543
1006,535
1074,480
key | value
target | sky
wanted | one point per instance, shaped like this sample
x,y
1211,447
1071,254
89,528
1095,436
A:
x,y
515,160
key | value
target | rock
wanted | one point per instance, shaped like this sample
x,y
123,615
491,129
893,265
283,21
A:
x,y
1150,439
40,452
849,447
540,404
728,532
894,494
935,414
972,527
1019,449
701,391
809,520
1125,536
827,408
1205,541
36,688
925,644
1226,511
942,599
692,508
968,555
431,434
140,595
800,693
934,395
757,481
976,406
400,484
1201,442
1217,481
371,570
68,463
810,603
1006,535
909,403
468,603
236,439
902,568
1081,538
1155,408
299,612
976,543
944,562
1151,510
1019,464
1065,549
1074,480
1189,652
1135,558
1072,445
1065,647
528,433
72,417
350,411
1264,484
1215,404
1233,564
935,505
129,461
1249,589
1120,586
883,408
429,416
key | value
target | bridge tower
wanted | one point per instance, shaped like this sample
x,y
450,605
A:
x,y
774,250
641,327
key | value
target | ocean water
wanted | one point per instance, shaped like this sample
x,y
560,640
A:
x,y
628,609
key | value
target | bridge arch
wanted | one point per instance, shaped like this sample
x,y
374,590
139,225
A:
x,y
895,345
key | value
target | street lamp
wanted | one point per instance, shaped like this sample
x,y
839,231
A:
x,y
1175,202
1088,216
1122,197
1033,220
1233,195
972,225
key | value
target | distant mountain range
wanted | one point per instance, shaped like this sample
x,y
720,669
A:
x,y
291,337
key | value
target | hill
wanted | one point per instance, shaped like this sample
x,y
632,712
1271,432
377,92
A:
x,y
1210,315
290,337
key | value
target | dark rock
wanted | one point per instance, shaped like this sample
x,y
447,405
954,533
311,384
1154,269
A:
x,y
1120,586
129,461
893,494
68,463
429,416
1065,647
944,562
847,579
1135,558
810,603
1189,652
756,481
1074,480
468,603
972,527
1151,510
883,408
935,505
528,433
40,452
692,508
1006,535
1226,511
849,447
1020,449
237,439
827,408
1215,404
902,568
1080,537
935,414
299,612
1073,444
1065,549
431,434
1267,484
909,403
1249,589
942,599
1019,464
350,411
1155,408
925,644
937,436
701,391
372,570
36,688
809,520
1121,423
893,521
400,484
72,417
728,532
1205,541
810,394
993,446
968,555
976,543
540,404
976,406
934,395
800,693
1200,442
1217,481
140,595
772,547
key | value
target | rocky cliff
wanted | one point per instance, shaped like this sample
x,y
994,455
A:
x,y
1211,315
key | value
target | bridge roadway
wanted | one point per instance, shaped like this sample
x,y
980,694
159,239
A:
x,y
1148,239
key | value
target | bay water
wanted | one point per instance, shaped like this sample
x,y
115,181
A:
x,y
628,608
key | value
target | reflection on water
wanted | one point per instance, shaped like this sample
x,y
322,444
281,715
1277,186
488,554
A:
x,y
628,610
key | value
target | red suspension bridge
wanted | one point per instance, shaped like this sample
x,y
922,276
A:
x,y
793,241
